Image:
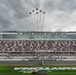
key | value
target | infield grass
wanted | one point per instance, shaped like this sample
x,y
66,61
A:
x,y
9,70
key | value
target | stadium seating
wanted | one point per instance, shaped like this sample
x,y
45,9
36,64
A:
x,y
38,47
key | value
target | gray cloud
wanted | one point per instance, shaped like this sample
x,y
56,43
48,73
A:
x,y
63,5
60,14
5,21
20,11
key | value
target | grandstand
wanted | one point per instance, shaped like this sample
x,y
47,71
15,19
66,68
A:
x,y
18,45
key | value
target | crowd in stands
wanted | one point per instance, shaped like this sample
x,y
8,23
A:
x,y
38,46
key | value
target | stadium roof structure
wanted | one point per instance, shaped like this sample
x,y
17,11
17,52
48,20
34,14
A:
x,y
34,35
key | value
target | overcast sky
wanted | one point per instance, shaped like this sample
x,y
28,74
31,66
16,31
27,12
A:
x,y
60,14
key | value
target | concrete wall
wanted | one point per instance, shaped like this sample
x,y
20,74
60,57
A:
x,y
36,63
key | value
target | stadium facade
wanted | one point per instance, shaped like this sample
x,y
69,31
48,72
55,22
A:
x,y
38,45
